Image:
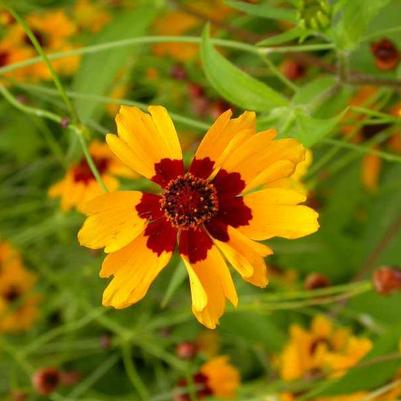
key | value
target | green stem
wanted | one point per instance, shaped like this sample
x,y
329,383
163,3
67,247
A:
x,y
45,58
296,49
132,373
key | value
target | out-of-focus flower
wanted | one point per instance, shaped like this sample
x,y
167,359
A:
x,y
217,378
54,31
387,280
183,22
18,303
385,53
209,208
90,15
79,185
322,349
208,343
186,350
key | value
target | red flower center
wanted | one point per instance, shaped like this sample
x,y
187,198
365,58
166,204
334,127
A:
x,y
3,58
40,37
12,294
189,201
82,172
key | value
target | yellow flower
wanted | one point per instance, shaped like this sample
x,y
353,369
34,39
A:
x,y
182,22
18,305
53,30
322,349
222,378
211,208
91,16
79,185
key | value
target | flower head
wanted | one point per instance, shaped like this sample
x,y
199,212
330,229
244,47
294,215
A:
x,y
216,210
323,349
79,184
386,54
18,304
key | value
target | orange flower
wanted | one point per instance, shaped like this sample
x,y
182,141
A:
x,y
91,16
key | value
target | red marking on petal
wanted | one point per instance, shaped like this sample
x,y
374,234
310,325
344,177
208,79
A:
x,y
162,236
166,170
233,211
217,229
149,207
82,172
194,243
228,183
202,168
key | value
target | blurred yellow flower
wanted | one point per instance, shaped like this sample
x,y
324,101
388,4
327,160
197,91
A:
x,y
18,302
79,185
90,15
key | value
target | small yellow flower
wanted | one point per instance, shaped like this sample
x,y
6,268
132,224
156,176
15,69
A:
x,y
91,16
79,185
18,304
217,209
323,349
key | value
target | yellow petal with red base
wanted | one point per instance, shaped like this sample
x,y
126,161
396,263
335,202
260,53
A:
x,y
113,221
224,135
260,160
134,268
144,139
276,213
246,256
211,284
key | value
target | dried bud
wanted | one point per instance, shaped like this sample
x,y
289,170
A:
x,y
65,122
186,350
316,280
196,91
292,69
46,380
387,280
178,72
385,53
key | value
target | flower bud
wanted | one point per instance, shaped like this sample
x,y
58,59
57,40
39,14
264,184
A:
x,y
292,69
46,380
385,53
186,350
316,280
387,280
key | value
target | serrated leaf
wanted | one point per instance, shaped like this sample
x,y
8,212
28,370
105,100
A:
x,y
97,71
235,85
264,10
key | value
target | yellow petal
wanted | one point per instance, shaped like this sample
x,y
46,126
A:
x,y
256,159
215,279
275,213
113,221
134,268
144,139
371,166
246,256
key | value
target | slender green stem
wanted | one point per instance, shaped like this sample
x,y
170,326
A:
x,y
45,58
132,373
79,131
277,73
296,49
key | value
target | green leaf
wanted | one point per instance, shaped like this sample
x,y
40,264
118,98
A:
x,y
178,277
308,92
372,375
235,85
284,37
97,71
264,10
355,18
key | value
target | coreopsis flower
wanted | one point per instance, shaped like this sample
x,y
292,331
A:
x,y
212,209
90,15
217,377
79,184
54,31
323,348
18,303
386,54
